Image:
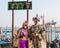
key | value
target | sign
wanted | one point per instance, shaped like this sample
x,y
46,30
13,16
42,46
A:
x,y
19,5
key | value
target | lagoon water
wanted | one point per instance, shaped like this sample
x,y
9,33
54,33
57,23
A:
x,y
53,32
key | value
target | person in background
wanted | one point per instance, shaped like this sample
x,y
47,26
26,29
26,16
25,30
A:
x,y
52,44
23,35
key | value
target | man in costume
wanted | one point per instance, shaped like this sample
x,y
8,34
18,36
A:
x,y
23,35
35,31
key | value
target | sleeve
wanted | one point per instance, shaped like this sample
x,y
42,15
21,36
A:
x,y
30,31
41,29
19,33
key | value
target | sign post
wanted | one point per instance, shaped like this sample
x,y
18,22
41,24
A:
x,y
12,24
27,18
27,12
22,5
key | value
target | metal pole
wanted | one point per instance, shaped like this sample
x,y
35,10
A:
x,y
6,31
43,21
0,30
51,33
55,31
12,24
27,13
28,17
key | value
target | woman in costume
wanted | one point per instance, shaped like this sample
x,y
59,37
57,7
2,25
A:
x,y
23,35
35,31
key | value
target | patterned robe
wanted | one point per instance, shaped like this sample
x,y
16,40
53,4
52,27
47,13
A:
x,y
35,33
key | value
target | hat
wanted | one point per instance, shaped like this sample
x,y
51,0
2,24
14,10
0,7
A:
x,y
36,18
25,22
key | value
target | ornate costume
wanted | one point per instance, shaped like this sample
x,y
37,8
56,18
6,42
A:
x,y
35,31
23,35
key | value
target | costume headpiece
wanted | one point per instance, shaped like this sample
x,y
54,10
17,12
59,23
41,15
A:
x,y
36,18
25,23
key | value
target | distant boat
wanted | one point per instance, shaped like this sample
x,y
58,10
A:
x,y
7,31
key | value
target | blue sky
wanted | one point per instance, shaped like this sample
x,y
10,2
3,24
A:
x,y
49,8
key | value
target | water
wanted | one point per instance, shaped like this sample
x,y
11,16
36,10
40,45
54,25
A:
x,y
54,34
6,33
9,31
